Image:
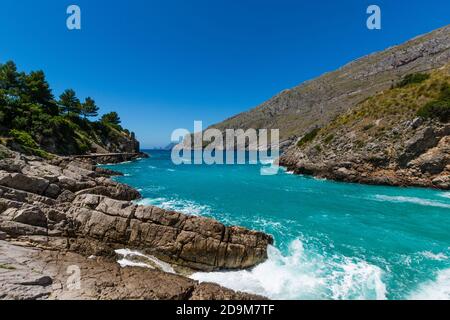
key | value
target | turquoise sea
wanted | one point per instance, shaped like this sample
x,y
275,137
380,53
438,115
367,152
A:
x,y
332,240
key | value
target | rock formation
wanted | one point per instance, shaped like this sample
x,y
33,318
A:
x,y
72,209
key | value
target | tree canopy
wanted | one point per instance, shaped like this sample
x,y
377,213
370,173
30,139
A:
x,y
112,118
29,112
69,102
89,108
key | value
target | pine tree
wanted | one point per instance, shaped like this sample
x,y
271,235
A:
x,y
69,102
89,108
112,118
37,90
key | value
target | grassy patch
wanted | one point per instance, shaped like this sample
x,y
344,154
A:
x,y
413,78
310,136
25,140
439,108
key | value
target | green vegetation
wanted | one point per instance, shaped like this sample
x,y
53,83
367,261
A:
x,y
34,122
308,137
27,143
111,118
439,108
413,78
375,118
428,99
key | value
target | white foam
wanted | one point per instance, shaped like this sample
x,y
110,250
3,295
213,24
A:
x,y
445,195
434,256
439,289
413,200
127,261
183,206
300,275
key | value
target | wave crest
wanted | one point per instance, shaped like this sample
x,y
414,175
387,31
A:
x,y
302,275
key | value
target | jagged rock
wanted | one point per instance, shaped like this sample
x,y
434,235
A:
x,y
212,291
16,229
22,182
442,181
53,191
74,185
195,242
32,216
43,205
12,165
32,273
66,196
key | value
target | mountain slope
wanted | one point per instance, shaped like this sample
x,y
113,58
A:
x,y
315,103
400,136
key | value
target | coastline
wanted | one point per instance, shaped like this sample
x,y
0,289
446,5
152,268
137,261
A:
x,y
62,211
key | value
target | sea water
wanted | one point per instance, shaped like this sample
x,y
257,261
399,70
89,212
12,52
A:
x,y
332,240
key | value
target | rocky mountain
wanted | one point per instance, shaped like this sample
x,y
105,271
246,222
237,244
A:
x,y
401,136
315,103
382,119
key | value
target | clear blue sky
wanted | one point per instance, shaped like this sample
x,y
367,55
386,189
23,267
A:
x,y
163,64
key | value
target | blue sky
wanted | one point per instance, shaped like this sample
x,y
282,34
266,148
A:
x,y
163,64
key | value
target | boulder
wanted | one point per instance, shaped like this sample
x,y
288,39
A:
x,y
22,182
32,216
195,242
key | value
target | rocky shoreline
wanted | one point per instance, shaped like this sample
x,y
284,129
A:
x,y
63,212
420,159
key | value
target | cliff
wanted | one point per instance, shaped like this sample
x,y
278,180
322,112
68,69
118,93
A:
x,y
382,119
399,137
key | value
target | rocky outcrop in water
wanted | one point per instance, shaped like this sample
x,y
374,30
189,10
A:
x,y
74,208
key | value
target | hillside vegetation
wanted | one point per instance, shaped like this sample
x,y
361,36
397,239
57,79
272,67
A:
x,y
33,121
374,118
400,136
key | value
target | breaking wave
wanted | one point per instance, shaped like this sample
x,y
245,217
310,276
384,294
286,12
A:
x,y
302,275
438,289
184,206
